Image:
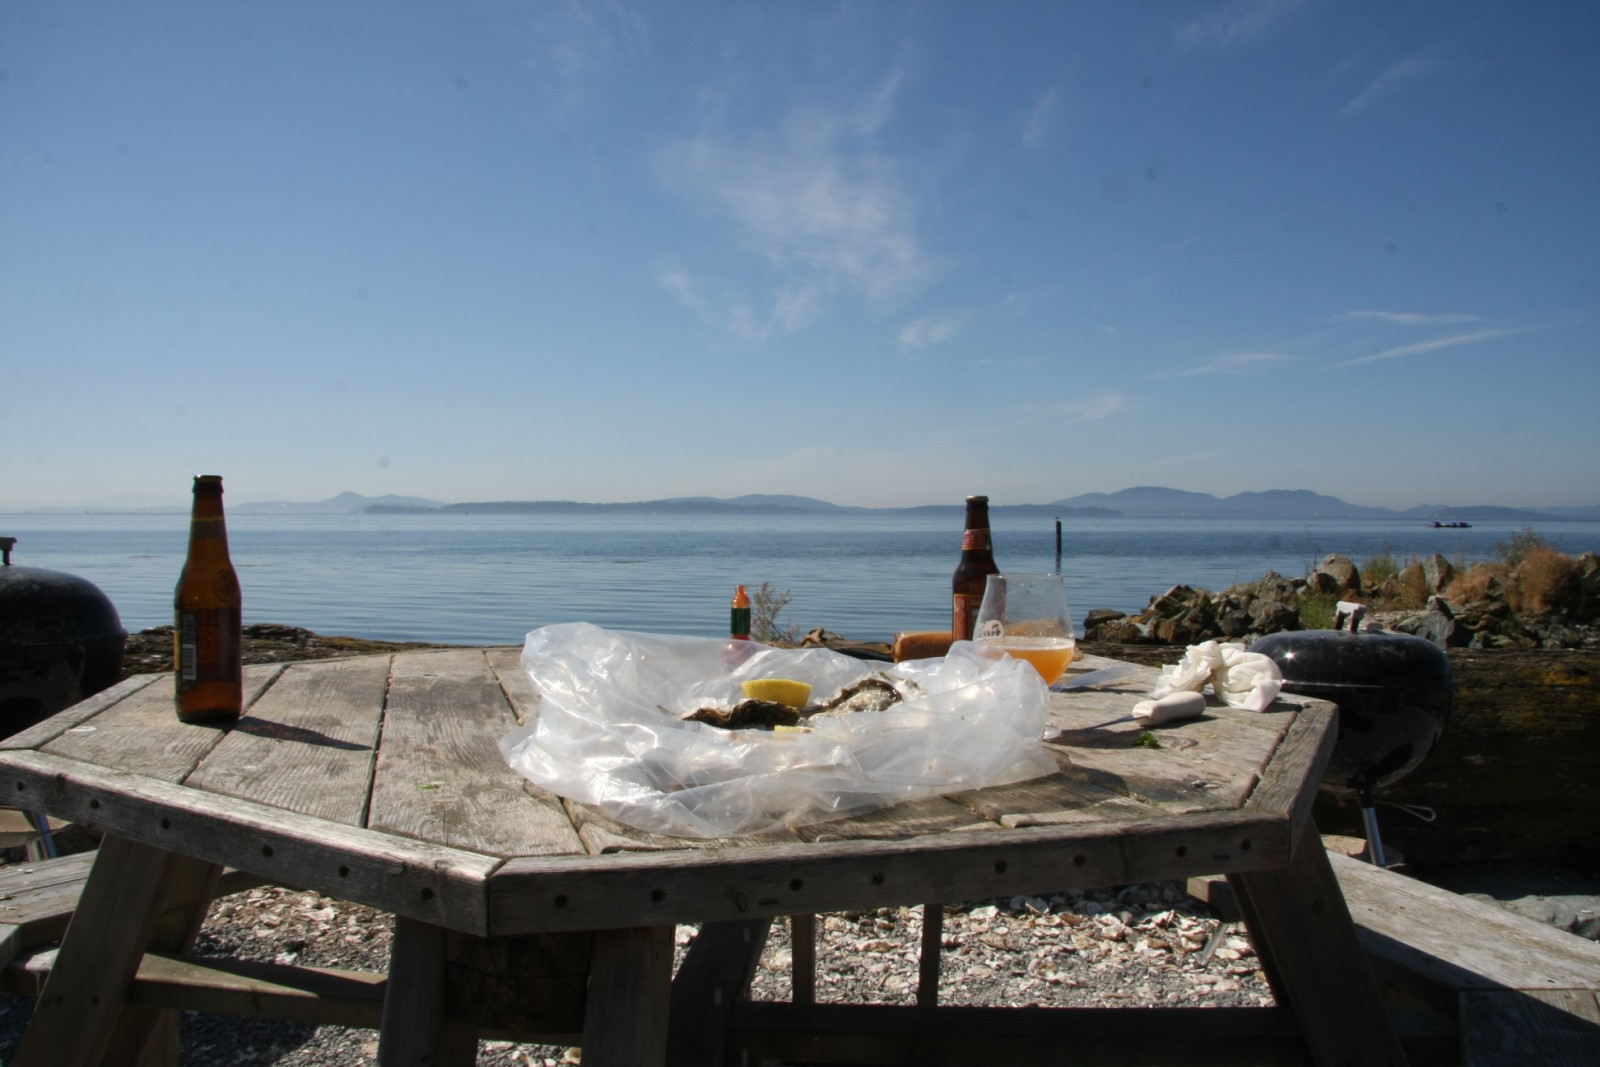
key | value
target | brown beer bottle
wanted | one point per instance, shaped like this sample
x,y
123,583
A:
x,y
977,563
207,654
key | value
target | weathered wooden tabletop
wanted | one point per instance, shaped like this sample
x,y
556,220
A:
x,y
380,780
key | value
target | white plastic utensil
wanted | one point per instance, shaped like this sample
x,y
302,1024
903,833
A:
x,y
1157,712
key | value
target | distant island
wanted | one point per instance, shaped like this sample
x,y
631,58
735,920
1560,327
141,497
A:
x,y
1141,502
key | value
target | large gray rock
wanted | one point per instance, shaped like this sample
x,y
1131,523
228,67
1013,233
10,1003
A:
x,y
1274,586
1341,570
1435,626
1099,617
1437,572
1271,616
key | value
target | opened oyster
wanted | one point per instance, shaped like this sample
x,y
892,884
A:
x,y
876,692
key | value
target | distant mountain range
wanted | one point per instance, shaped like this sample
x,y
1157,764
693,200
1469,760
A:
x,y
1141,502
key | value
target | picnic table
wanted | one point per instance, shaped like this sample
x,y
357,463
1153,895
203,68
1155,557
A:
x,y
378,780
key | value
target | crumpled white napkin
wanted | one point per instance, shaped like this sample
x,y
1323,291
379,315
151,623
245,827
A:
x,y
1240,679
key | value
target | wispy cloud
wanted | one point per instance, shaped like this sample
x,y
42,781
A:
x,y
1413,318
1397,76
816,199
1041,119
1452,341
582,41
929,330
723,311
1234,363
1094,408
1235,24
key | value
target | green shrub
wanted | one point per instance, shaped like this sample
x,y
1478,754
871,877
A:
x,y
1317,610
1379,569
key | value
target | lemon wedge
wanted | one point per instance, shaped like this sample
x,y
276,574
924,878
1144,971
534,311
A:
x,y
785,691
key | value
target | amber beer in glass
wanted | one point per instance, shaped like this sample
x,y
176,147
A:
x,y
977,563
208,645
1026,616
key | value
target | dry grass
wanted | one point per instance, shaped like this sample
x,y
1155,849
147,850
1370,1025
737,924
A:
x,y
1391,586
1534,586
1475,582
1540,579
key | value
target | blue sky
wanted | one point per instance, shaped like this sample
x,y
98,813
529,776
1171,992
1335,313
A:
x,y
877,253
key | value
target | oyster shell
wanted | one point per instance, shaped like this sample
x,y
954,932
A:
x,y
876,692
748,715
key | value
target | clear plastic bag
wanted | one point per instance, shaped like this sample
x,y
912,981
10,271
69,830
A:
x,y
610,731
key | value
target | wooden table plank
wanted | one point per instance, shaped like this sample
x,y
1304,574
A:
x,y
39,734
436,883
531,894
440,774
602,834
914,819
308,744
507,666
142,733
1290,784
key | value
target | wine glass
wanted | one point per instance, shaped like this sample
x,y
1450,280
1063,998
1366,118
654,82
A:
x,y
1025,615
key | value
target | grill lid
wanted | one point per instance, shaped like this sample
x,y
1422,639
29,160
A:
x,y
45,607
1341,658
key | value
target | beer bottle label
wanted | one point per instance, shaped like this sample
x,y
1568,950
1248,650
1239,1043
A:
x,y
974,539
188,651
206,651
966,610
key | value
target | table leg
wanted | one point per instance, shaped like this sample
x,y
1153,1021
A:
x,y
931,955
630,987
803,958
415,1031
136,898
1307,943
714,979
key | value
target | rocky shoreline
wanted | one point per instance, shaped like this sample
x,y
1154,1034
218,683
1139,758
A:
x,y
1451,613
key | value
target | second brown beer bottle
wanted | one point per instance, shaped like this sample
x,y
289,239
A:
x,y
977,563
208,645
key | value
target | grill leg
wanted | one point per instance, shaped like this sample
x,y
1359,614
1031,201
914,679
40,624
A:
x,y
1369,817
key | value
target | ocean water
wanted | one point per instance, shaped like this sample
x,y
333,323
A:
x,y
488,579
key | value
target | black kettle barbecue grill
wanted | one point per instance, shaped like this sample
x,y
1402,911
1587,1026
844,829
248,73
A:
x,y
1394,693
60,641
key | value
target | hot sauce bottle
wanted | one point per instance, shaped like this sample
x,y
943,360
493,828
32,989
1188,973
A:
x,y
739,622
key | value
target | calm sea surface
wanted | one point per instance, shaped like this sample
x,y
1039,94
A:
x,y
488,579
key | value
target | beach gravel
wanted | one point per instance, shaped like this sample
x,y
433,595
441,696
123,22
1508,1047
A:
x,y
1144,945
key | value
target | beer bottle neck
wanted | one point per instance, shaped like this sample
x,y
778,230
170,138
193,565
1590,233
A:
x,y
975,538
208,533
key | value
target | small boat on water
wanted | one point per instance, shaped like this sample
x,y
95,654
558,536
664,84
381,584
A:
x,y
1437,525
